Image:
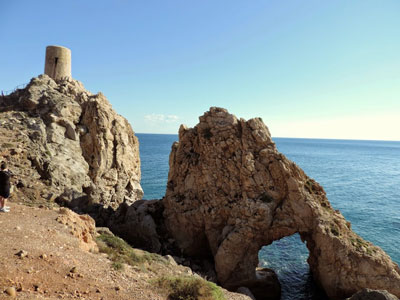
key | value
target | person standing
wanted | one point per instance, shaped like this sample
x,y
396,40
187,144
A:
x,y
5,186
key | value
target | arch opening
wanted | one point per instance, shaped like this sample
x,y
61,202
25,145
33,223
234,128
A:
x,y
288,258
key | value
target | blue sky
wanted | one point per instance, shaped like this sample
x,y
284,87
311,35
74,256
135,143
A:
x,y
326,69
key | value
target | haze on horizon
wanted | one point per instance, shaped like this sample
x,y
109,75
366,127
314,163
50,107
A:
x,y
309,69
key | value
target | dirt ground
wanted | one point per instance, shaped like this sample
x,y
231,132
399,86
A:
x,y
52,252
53,265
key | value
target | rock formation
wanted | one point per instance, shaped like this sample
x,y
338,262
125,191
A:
x,y
76,144
230,192
81,226
367,294
136,223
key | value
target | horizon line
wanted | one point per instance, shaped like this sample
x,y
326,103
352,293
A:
x,y
300,138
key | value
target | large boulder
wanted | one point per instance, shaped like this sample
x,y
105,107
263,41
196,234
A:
x,y
368,294
230,192
73,140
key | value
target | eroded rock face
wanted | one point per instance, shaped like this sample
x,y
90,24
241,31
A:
x,y
74,141
136,223
81,226
230,192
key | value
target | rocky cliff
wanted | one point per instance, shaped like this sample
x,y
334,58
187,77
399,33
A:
x,y
230,192
68,144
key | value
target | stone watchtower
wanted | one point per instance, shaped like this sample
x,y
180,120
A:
x,y
58,62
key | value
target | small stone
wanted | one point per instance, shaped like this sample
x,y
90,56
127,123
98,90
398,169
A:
x,y
16,151
20,184
22,253
171,260
11,292
117,288
43,256
73,270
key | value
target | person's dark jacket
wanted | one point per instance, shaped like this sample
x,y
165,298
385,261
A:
x,y
5,184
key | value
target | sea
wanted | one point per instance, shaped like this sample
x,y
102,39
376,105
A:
x,y
361,179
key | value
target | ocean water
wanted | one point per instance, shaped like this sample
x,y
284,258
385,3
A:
x,y
361,179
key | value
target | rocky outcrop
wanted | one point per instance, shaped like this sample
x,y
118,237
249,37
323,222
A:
x,y
230,192
367,294
76,143
137,223
81,226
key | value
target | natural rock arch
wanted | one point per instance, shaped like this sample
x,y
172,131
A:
x,y
294,275
230,192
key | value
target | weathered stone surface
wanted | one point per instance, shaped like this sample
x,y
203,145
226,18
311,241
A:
x,y
111,150
81,226
136,223
367,294
230,192
74,141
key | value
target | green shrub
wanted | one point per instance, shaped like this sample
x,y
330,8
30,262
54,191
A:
x,y
121,252
361,245
117,265
189,288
